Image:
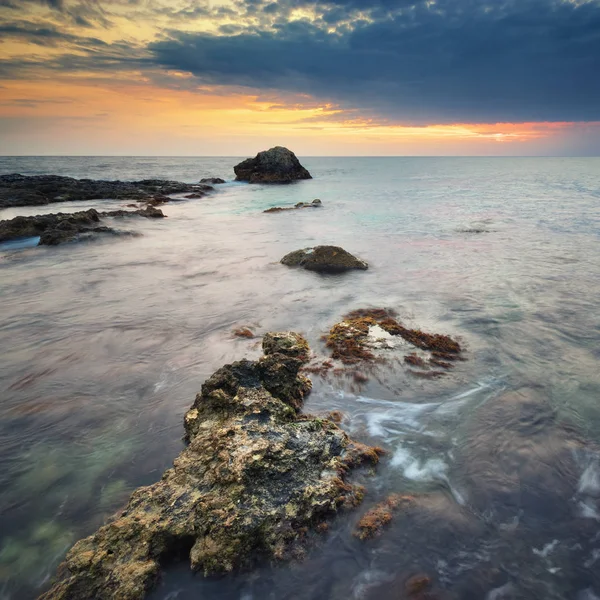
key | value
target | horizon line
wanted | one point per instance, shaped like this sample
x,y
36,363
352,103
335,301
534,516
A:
x,y
302,155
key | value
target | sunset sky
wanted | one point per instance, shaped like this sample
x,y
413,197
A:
x,y
333,77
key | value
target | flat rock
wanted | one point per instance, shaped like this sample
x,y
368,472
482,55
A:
x,y
324,259
22,190
255,477
277,165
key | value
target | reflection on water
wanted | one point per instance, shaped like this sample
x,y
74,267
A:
x,y
106,344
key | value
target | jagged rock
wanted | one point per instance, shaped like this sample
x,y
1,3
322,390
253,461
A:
x,y
253,480
314,204
212,180
324,259
22,190
277,165
57,228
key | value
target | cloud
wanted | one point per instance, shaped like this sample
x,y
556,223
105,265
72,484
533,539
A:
x,y
411,62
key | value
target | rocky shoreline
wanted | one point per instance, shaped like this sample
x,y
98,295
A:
x,y
257,483
40,190
58,228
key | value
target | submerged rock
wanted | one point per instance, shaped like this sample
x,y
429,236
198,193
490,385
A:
x,y
255,477
22,190
277,165
324,259
361,332
212,180
314,204
57,228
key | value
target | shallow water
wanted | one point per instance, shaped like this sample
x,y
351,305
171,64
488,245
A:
x,y
104,345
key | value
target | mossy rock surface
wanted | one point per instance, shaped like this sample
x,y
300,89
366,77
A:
x,y
255,477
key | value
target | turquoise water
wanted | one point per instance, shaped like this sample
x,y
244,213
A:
x,y
105,344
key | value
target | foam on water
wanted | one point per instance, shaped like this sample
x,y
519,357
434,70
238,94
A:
x,y
413,468
506,591
367,580
547,549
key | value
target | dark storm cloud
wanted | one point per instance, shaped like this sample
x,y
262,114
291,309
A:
x,y
414,62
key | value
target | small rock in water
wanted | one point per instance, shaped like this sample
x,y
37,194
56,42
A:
x,y
374,520
277,165
243,332
212,180
313,204
324,259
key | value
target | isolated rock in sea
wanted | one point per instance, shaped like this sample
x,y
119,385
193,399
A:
x,y
57,228
277,165
324,259
314,204
212,180
254,479
22,190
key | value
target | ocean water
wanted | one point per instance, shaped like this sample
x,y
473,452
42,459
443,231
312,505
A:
x,y
104,345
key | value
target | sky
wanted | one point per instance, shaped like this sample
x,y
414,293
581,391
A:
x,y
327,77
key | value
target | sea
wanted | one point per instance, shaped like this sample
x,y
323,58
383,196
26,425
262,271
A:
x,y
104,344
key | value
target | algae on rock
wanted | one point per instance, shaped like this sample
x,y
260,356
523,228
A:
x,y
253,480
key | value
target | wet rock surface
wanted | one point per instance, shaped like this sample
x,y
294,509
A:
x,y
314,204
57,228
255,478
277,165
324,259
22,190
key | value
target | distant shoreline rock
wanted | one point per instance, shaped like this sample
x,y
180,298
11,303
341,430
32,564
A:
x,y
324,259
39,190
277,165
314,204
255,478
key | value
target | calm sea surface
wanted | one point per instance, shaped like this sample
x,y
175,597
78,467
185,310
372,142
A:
x,y
103,346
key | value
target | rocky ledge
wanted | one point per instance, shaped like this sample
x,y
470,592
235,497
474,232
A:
x,y
324,259
314,204
277,165
254,481
58,228
22,190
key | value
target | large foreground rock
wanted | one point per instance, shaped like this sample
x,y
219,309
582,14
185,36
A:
x,y
254,480
324,259
277,165
22,190
57,228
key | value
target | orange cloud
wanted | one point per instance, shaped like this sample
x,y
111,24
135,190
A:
x,y
133,115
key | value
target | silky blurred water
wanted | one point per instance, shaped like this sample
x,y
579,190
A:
x,y
104,345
